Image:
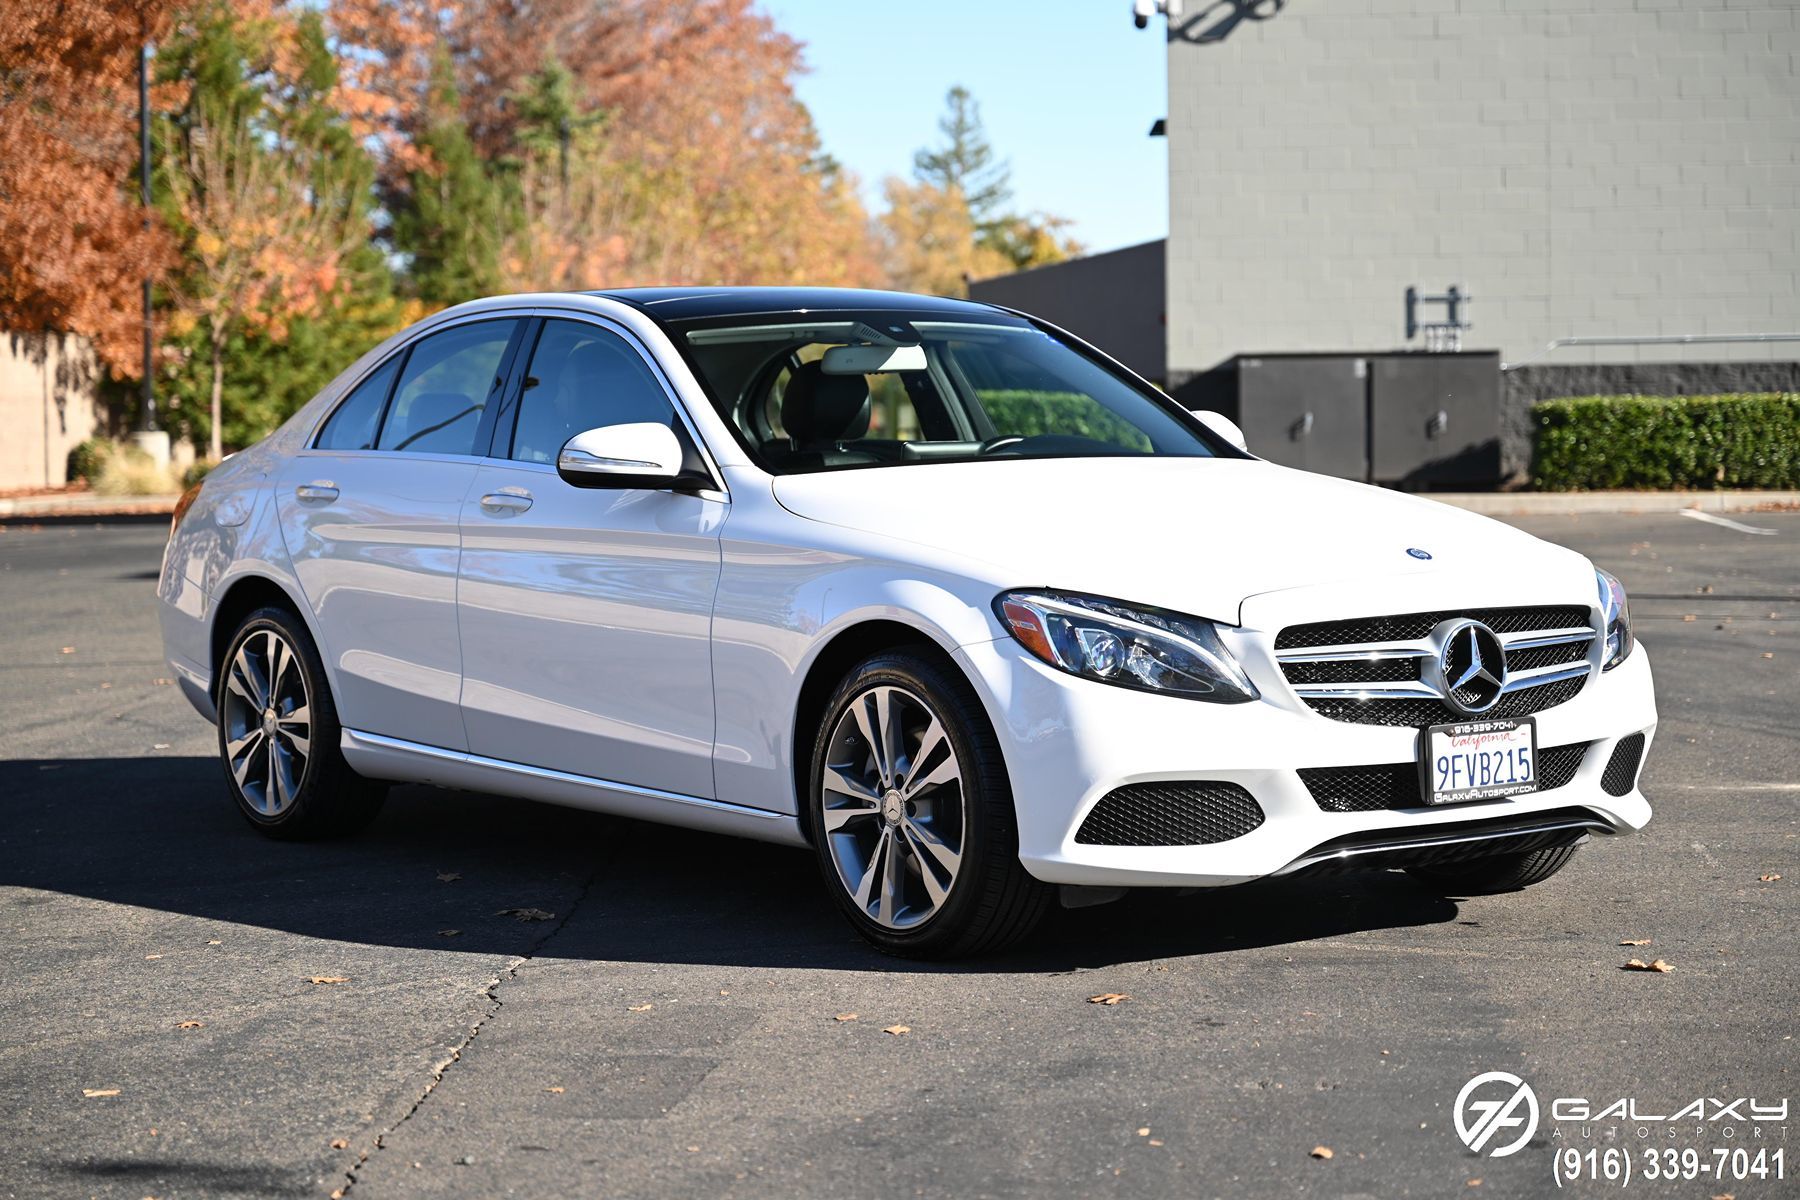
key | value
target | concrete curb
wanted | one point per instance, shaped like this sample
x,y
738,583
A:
x,y
1534,504
85,505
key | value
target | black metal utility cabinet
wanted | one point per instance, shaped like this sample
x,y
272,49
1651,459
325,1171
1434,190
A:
x,y
1411,420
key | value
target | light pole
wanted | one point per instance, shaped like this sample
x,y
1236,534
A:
x,y
147,407
147,436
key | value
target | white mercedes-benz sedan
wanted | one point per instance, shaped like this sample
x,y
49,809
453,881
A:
x,y
929,586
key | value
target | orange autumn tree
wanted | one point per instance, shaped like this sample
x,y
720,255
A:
x,y
268,242
681,154
73,244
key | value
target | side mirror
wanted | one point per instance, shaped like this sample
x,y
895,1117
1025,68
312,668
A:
x,y
1222,425
639,455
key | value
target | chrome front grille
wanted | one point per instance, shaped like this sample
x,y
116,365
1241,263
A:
x,y
1384,670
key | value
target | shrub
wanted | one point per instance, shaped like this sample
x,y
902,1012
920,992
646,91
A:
x,y
87,458
197,471
1023,413
1645,442
129,471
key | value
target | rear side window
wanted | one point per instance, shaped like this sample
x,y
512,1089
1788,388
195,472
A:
x,y
448,380
352,426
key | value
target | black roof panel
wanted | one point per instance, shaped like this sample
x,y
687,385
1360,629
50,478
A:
x,y
692,303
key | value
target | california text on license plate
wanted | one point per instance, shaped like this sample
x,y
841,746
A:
x,y
1479,760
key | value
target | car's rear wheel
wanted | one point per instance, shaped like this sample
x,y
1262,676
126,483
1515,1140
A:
x,y
912,814
279,735
1495,874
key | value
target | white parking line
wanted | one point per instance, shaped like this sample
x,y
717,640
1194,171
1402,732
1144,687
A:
x,y
1729,787
1727,522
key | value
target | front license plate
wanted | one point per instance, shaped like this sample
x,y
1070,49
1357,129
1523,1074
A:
x,y
1479,760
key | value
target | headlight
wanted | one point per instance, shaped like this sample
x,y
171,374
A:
x,y
1142,648
1615,616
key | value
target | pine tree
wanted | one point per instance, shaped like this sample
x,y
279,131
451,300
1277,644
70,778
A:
x,y
450,216
966,163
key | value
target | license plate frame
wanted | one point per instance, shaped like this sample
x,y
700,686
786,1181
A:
x,y
1505,735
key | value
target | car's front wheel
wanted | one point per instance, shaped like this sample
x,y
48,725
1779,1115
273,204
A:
x,y
912,814
1494,874
278,735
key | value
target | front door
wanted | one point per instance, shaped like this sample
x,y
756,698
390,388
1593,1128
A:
x,y
586,613
369,515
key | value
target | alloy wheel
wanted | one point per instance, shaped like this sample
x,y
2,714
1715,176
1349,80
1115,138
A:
x,y
894,806
268,722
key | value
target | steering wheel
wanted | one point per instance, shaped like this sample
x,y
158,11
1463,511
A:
x,y
1000,443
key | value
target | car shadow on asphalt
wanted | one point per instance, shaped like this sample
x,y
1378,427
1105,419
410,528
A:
x,y
159,833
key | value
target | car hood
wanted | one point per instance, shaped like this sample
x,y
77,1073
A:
x,y
1193,535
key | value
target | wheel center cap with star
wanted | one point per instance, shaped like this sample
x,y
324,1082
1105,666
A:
x,y
892,807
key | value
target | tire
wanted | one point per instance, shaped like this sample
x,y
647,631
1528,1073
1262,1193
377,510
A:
x,y
280,751
982,902
1496,874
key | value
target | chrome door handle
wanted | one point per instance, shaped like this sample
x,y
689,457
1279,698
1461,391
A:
x,y
317,491
505,502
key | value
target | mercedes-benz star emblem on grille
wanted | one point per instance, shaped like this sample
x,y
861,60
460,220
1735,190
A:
x,y
1474,666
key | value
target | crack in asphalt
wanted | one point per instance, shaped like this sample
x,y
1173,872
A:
x,y
491,990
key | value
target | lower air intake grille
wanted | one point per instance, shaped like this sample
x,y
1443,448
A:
x,y
1396,785
1178,813
1622,767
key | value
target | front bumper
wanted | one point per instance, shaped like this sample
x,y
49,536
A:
x,y
1068,742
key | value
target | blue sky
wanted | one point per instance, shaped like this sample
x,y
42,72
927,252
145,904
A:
x,y
1068,89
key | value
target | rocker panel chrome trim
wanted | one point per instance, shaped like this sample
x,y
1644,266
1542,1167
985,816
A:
x,y
399,760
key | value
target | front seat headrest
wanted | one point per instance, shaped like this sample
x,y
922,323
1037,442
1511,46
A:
x,y
819,409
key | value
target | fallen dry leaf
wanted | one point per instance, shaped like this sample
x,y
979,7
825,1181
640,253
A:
x,y
1108,998
215,942
1659,966
527,914
639,1007
151,957
1154,1142
1321,1152
1144,1132
329,979
449,933
189,1025
68,649
1769,878
1635,942
845,1017
1768,654
556,1091
448,877
339,1144
1473,1183
897,1030
96,1093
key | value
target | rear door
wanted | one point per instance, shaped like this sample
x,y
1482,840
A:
x,y
370,515
586,613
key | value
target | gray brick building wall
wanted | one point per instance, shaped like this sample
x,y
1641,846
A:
x,y
1581,167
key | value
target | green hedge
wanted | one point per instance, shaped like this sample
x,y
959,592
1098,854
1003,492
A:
x,y
1647,442
1019,412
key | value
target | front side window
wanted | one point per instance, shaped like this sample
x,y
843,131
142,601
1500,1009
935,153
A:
x,y
445,388
916,389
581,377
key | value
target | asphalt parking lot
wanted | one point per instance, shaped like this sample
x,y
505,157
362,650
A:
x,y
190,1010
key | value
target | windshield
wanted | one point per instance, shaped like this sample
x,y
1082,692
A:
x,y
843,391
